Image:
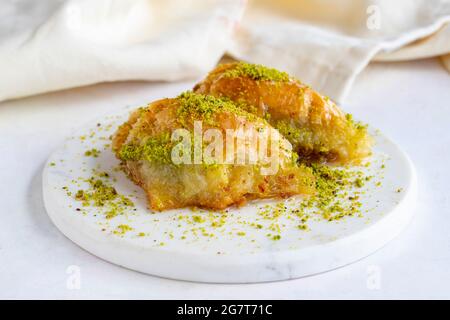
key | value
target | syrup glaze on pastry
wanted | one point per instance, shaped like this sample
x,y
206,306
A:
x,y
316,127
144,146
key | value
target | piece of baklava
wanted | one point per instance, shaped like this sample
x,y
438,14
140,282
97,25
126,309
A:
x,y
316,127
167,148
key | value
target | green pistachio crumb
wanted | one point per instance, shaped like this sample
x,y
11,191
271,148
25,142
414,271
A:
x,y
92,153
198,219
256,72
122,229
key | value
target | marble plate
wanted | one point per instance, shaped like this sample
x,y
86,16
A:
x,y
237,246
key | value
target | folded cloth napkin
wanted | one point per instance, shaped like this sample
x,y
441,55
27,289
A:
x,y
53,45
326,43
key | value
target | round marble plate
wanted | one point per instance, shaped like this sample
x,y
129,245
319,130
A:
x,y
255,243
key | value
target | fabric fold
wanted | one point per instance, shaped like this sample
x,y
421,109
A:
x,y
326,44
86,42
53,45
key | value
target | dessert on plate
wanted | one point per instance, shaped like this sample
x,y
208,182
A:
x,y
316,127
166,168
245,132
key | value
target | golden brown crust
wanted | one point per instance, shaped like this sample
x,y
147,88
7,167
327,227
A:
x,y
311,122
122,132
216,187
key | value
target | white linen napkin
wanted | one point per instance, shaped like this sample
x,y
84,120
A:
x,y
326,43
55,44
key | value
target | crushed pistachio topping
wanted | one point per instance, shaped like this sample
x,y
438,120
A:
x,y
276,237
122,229
332,200
256,72
155,149
130,152
92,153
192,107
198,219
195,106
292,132
101,194
338,192
358,125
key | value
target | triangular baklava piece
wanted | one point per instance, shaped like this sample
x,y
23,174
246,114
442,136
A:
x,y
157,148
316,127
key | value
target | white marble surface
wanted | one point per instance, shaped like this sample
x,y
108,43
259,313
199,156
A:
x,y
407,101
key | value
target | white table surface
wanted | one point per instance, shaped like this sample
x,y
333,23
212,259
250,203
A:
x,y
410,102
